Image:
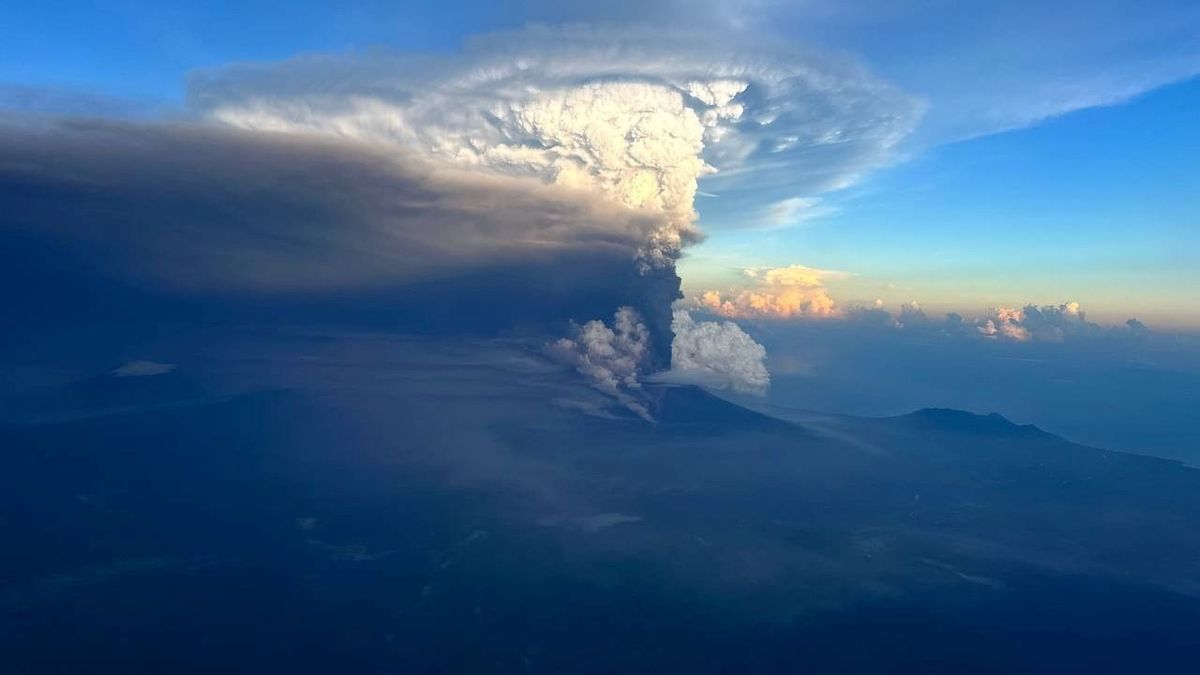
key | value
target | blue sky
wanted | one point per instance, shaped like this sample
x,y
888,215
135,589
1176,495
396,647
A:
x,y
1055,161
1098,206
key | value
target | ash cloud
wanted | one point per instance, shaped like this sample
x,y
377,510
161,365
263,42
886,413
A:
x,y
148,222
637,117
217,208
616,359
612,358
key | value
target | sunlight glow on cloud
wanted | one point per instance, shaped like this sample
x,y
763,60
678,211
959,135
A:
x,y
776,293
1049,323
1029,323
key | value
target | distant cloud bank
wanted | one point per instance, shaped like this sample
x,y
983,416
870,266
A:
x,y
1029,323
775,293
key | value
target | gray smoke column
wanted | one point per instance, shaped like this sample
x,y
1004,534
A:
x,y
611,358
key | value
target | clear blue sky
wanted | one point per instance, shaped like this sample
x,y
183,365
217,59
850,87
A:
x,y
1058,159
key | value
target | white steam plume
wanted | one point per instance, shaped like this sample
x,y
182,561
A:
x,y
717,355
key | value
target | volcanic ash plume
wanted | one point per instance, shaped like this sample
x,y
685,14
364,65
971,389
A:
x,y
611,358
638,118
634,118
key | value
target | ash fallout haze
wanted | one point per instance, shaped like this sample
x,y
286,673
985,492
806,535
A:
x,y
832,337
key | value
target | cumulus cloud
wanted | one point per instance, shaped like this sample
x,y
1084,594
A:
x,y
1005,323
911,314
715,354
635,116
776,293
1136,327
1048,323
1029,323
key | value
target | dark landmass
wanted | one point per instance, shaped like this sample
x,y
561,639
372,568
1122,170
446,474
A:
x,y
321,503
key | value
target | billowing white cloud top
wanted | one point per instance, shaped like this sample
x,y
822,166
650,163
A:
x,y
715,354
638,118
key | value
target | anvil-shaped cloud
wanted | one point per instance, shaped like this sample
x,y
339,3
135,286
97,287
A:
x,y
637,117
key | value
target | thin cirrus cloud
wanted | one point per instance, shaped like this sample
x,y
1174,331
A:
x,y
984,67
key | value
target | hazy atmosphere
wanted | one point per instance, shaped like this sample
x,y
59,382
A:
x,y
641,337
